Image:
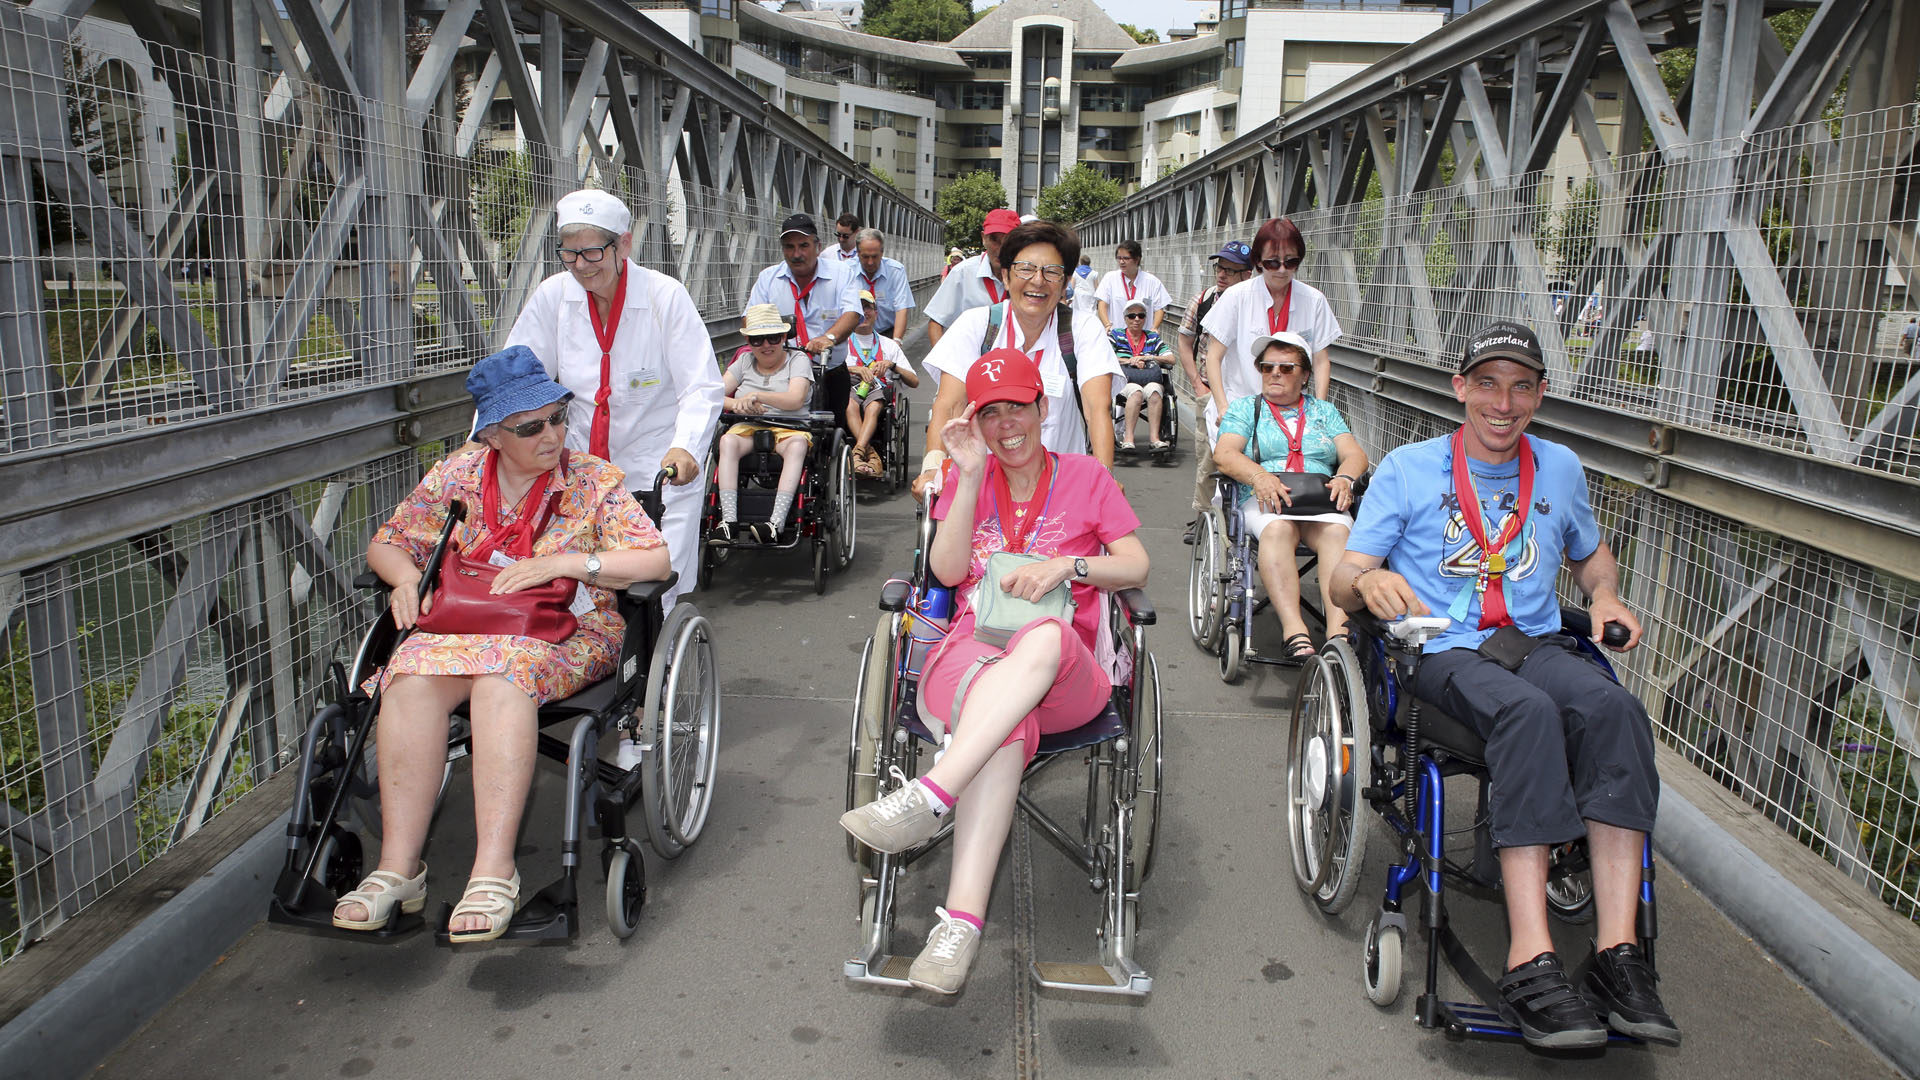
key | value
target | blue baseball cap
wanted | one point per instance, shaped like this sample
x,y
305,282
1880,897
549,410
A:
x,y
1237,253
508,382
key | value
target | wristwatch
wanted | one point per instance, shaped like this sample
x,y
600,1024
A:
x,y
1079,568
593,568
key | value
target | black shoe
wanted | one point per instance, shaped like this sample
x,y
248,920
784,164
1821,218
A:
x,y
721,535
1621,985
761,532
1537,998
1192,533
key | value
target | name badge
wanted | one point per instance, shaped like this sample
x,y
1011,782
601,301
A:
x,y
582,605
501,559
1054,382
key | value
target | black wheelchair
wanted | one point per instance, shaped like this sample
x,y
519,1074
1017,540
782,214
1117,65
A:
x,y
890,438
1358,737
1121,748
1169,430
1224,592
670,708
824,509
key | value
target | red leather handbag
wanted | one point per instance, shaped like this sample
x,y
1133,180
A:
x,y
463,604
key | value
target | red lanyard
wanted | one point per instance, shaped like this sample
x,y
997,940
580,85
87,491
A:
x,y
1277,316
1014,345
1296,461
799,315
1023,522
515,539
1493,560
603,333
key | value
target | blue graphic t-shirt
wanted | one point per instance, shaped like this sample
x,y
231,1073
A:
x,y
1410,518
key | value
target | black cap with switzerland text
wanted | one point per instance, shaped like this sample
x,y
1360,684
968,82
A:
x,y
1503,341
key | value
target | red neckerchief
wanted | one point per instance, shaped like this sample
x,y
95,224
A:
x,y
873,286
1296,461
603,333
1127,284
799,296
1135,348
515,538
1277,317
1493,561
1015,345
1015,532
994,295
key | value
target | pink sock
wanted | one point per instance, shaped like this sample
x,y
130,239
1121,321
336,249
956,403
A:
x,y
945,800
967,917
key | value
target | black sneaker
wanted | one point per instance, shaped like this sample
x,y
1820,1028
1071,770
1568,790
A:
x,y
1192,533
1621,985
721,535
1537,998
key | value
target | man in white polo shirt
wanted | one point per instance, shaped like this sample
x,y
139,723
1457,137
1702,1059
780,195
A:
x,y
975,282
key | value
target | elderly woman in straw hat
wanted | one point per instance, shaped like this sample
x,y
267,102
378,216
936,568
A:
x,y
769,379
543,513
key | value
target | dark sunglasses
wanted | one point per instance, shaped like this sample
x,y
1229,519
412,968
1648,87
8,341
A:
x,y
1276,367
757,340
534,427
1136,314
1275,264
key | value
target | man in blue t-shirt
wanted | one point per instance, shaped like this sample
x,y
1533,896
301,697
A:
x,y
1476,526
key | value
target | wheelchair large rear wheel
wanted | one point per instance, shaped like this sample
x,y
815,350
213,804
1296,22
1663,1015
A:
x,y
681,723
897,448
845,508
1570,883
1328,761
1145,832
1205,590
870,700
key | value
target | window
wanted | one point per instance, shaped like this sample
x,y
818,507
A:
x,y
1094,137
1229,116
1184,125
1236,53
1084,62
1233,9
1112,98
719,9
718,50
978,134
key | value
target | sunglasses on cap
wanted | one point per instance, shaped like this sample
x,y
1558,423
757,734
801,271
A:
x,y
1275,264
1276,367
757,340
534,427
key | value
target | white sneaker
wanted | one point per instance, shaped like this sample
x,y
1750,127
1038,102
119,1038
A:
x,y
895,821
942,966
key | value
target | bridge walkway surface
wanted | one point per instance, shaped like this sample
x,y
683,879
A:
x,y
736,969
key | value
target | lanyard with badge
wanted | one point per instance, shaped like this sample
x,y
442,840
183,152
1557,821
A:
x,y
1491,573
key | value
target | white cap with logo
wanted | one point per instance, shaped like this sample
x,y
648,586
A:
x,y
590,207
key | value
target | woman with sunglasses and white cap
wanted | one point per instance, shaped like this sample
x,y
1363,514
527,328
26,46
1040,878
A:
x,y
543,515
1283,429
634,350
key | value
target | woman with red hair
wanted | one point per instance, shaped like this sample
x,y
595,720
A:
x,y
1270,301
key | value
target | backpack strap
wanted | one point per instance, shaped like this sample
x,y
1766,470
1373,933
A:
x,y
1063,316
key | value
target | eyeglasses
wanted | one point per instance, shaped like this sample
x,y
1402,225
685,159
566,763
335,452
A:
x,y
843,235
757,340
1136,314
1276,367
534,427
1025,271
1275,264
592,254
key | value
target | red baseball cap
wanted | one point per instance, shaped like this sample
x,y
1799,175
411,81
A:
x,y
1004,375
1000,221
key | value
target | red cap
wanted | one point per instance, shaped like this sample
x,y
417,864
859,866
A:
x,y
1004,375
1000,221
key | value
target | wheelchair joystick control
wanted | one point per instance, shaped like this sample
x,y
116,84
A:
x,y
1416,630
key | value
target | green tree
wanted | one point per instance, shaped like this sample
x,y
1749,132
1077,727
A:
x,y
964,203
1148,36
1080,193
918,20
885,177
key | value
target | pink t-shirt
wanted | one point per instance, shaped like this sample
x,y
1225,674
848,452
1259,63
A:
x,y
1085,511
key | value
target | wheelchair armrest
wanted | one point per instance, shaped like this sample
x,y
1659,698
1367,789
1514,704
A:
x,y
1575,622
642,593
894,595
1366,622
367,579
1136,607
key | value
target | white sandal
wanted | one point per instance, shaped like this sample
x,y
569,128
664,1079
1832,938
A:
x,y
497,899
409,893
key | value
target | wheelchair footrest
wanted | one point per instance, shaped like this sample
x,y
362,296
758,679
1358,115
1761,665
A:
x,y
1124,978
552,914
318,919
883,970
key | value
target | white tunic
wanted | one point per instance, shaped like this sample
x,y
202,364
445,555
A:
x,y
1113,289
1064,431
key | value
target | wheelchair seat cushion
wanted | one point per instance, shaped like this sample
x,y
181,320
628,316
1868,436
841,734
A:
x,y
1109,724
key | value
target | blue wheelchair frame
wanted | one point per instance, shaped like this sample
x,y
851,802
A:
x,y
1410,748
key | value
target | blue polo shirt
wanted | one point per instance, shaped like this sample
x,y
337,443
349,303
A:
x,y
891,293
835,291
